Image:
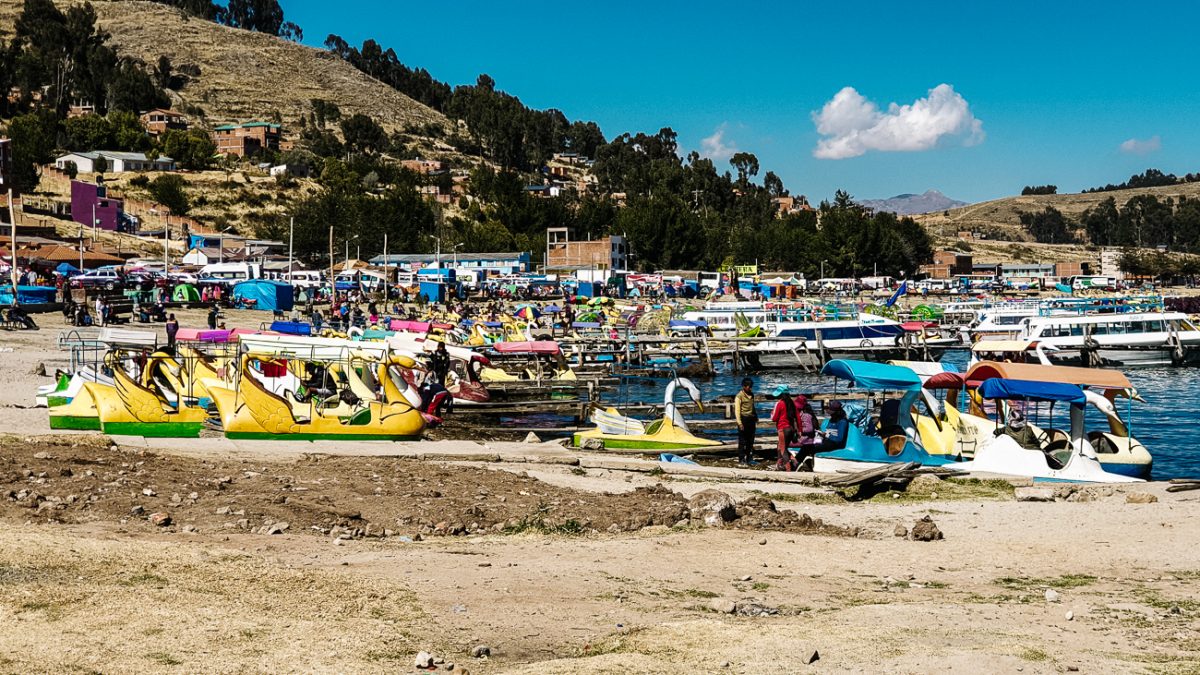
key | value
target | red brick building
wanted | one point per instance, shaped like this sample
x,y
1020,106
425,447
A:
x,y
247,139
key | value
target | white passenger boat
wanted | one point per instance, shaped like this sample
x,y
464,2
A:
x,y
1117,339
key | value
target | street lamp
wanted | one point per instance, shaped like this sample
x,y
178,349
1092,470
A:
x,y
221,243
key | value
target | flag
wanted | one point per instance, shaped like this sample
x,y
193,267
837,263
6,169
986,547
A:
x,y
896,296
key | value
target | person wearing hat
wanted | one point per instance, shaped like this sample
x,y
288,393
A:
x,y
1019,430
786,424
834,435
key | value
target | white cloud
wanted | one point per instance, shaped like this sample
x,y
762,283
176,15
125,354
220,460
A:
x,y
1136,146
715,147
852,125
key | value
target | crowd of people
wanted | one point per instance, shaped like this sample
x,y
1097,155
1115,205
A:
x,y
800,434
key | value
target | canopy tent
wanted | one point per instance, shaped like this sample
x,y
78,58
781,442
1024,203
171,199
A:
x,y
185,293
874,376
269,295
27,295
66,269
1031,391
1099,378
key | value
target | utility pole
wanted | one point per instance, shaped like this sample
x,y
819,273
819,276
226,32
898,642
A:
x,y
291,237
12,217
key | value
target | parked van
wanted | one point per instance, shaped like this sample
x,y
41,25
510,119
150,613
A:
x,y
305,278
366,279
231,273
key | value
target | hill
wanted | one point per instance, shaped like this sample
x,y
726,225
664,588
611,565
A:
x,y
911,204
244,75
1000,218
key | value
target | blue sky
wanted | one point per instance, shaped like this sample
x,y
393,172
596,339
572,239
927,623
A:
x,y
1037,93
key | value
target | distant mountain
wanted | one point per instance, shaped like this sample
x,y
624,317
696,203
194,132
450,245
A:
x,y
910,204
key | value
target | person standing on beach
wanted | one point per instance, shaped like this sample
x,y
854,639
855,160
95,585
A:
x,y
786,424
747,421
172,329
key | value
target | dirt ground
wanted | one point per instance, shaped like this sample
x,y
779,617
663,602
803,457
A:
x,y
558,568
372,568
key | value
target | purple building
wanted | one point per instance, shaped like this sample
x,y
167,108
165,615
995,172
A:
x,y
85,197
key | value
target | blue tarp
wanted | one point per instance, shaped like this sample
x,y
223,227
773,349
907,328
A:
x,y
681,323
66,269
269,295
1031,391
292,327
873,376
27,295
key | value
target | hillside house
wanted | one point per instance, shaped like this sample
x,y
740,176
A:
x,y
423,166
247,139
90,200
109,161
159,120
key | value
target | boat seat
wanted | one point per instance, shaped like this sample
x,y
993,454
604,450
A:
x,y
894,444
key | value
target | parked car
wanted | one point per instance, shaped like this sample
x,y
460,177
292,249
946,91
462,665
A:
x,y
107,278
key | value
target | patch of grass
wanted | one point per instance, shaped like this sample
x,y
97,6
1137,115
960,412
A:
x,y
760,586
1034,654
378,655
1065,581
144,578
689,593
806,497
1157,601
52,610
536,522
936,584
165,659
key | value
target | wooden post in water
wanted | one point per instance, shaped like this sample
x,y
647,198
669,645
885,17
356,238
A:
x,y
821,349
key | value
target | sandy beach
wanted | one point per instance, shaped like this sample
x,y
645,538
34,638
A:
x,y
300,557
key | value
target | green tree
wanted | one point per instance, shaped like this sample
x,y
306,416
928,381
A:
x,y
363,134
746,165
128,133
192,149
33,142
169,190
1048,226
88,132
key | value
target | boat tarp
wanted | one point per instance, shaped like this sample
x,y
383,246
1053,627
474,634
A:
x,y
1100,378
201,335
873,376
272,296
410,326
1002,346
1001,388
946,380
132,338
538,347
683,323
926,368
27,295
292,327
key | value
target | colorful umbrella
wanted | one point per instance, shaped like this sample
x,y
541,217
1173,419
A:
x,y
527,312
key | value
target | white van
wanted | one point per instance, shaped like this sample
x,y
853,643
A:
x,y
305,278
231,273
366,279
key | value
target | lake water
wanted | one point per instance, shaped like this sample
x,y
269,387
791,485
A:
x,y
1166,424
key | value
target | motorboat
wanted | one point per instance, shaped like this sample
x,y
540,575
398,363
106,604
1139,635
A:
x,y
1118,339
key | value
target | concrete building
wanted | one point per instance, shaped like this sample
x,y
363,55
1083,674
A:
x,y
610,252
90,200
160,120
1026,271
247,139
1110,264
494,263
109,161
